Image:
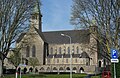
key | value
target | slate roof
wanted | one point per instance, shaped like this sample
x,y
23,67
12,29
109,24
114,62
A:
x,y
40,34
55,37
77,36
82,55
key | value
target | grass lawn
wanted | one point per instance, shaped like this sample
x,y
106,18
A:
x,y
47,76
96,77
50,76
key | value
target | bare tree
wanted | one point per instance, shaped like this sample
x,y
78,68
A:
x,y
14,15
105,14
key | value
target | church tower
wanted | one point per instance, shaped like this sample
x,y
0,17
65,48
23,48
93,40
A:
x,y
35,46
36,18
93,44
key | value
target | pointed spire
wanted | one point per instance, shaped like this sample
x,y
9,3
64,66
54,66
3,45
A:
x,y
35,10
36,16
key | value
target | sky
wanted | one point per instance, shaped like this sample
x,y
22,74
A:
x,y
56,15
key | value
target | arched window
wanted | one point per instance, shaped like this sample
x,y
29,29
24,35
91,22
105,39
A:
x,y
72,49
57,60
99,63
68,50
48,69
74,68
48,60
60,50
66,60
77,50
26,62
56,50
61,68
75,60
67,68
64,49
28,51
81,70
51,50
33,51
54,68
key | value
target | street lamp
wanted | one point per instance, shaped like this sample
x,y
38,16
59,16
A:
x,y
70,54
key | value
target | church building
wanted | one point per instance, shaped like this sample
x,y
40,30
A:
x,y
56,50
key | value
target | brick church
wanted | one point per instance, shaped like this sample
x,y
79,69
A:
x,y
56,50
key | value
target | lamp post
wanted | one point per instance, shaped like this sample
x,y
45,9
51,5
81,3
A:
x,y
70,55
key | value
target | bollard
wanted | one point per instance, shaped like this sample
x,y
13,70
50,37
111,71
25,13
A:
x,y
16,74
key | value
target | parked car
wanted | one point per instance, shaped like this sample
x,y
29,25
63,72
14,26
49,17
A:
x,y
106,74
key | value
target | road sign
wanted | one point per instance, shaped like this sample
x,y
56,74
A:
x,y
114,56
114,60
